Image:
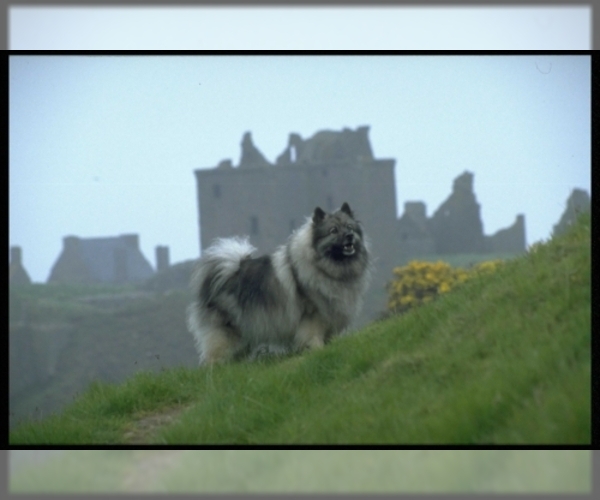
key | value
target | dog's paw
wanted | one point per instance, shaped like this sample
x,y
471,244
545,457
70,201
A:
x,y
267,350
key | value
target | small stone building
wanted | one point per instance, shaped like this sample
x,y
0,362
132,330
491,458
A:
x,y
115,260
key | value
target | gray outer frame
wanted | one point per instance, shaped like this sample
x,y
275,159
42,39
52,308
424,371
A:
x,y
4,463
594,42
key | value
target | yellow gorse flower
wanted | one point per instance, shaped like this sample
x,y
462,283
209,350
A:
x,y
420,282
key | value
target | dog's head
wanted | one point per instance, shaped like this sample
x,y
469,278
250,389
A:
x,y
338,235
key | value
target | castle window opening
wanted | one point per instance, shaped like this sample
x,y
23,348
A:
x,y
293,154
217,191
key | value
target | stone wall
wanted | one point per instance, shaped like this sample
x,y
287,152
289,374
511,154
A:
x,y
508,240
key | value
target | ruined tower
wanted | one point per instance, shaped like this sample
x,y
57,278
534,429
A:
x,y
456,224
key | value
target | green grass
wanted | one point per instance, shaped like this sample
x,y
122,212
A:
x,y
309,471
504,359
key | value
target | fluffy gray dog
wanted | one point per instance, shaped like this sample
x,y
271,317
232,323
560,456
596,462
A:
x,y
299,297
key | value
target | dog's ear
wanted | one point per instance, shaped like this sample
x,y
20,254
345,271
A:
x,y
318,215
346,209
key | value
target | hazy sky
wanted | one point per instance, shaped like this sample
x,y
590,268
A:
x,y
106,145
566,27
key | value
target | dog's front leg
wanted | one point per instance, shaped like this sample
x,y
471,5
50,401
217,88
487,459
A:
x,y
310,334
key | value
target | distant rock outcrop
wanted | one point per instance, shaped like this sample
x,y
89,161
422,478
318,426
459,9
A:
x,y
578,202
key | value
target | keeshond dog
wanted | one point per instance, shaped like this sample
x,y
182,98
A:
x,y
304,294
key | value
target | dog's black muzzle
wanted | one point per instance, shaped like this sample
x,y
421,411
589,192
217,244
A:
x,y
348,247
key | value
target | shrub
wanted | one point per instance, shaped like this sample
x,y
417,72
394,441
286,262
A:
x,y
420,282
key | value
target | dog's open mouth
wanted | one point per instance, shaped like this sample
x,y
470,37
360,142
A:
x,y
348,249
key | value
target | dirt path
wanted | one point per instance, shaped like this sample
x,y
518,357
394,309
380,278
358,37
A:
x,y
144,428
145,473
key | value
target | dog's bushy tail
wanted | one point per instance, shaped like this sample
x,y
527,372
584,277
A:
x,y
218,263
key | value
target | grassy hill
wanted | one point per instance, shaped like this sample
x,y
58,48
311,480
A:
x,y
505,358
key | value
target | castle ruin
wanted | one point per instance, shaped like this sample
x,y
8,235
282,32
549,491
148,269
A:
x,y
455,227
267,201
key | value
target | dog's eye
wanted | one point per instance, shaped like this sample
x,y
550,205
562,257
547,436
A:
x,y
333,230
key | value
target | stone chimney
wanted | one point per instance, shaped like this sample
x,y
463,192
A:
x,y
162,258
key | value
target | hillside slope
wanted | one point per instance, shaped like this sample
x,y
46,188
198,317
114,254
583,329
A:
x,y
505,358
